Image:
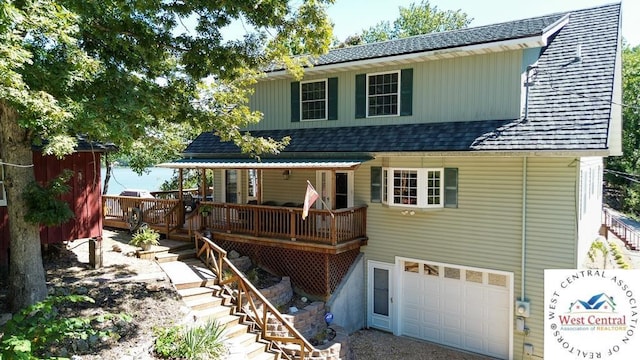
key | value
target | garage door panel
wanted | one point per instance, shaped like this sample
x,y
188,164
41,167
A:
x,y
461,307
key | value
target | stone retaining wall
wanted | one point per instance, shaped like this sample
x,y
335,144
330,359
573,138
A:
x,y
309,321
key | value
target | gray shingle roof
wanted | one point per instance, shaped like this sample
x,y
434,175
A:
x,y
452,136
570,102
438,41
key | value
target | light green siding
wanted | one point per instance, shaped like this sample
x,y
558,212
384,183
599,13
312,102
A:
x,y
478,87
485,231
551,235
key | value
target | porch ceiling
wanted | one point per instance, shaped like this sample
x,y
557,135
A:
x,y
264,163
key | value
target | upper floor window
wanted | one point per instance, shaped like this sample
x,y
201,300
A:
x,y
3,196
313,100
421,188
383,94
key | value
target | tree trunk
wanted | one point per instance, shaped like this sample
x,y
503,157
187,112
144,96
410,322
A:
x,y
27,283
107,173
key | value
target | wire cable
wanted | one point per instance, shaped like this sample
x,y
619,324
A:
x,y
15,165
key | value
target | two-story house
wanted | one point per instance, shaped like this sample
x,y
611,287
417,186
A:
x,y
457,167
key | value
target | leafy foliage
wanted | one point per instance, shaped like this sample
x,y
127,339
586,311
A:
x,y
201,342
44,204
417,19
32,331
130,73
624,174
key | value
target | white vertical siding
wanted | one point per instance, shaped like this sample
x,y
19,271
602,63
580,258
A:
x,y
590,204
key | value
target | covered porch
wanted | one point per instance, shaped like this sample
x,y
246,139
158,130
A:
x,y
253,200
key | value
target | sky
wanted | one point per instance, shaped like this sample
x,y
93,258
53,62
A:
x,y
351,16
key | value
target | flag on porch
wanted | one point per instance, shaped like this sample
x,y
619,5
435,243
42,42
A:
x,y
309,198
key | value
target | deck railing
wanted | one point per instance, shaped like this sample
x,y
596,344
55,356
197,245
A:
x,y
158,212
251,302
321,226
623,231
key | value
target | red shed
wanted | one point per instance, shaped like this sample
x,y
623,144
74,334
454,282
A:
x,y
84,198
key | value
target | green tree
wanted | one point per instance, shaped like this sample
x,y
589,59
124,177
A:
x,y
417,19
624,172
129,72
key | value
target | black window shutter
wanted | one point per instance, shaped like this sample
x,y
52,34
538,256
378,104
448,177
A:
x,y
361,96
295,101
376,184
332,83
451,187
406,92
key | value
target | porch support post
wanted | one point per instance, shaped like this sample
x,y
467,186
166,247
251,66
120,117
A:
x,y
259,186
204,184
180,196
333,189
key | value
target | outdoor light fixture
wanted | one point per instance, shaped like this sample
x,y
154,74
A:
x,y
285,174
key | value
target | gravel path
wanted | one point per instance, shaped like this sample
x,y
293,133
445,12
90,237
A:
x,y
373,344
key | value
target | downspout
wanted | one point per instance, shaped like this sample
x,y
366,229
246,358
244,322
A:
x,y
524,228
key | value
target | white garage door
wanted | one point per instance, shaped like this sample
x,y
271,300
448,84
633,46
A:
x,y
467,308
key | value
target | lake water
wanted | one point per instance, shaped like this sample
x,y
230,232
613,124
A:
x,y
125,178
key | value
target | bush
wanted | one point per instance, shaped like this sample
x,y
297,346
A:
x,y
32,332
203,342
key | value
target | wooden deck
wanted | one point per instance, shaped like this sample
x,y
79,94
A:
x,y
329,232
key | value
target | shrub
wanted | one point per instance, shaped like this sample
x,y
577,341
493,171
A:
x,y
202,342
39,327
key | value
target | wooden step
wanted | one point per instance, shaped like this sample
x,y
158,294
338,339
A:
x,y
204,303
242,339
175,255
184,276
270,355
199,292
236,330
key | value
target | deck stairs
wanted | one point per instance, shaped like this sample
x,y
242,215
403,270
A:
x,y
197,285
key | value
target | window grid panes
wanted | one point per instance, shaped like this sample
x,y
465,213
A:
x,y
432,270
410,266
252,192
433,187
473,276
383,94
452,273
314,100
405,187
497,280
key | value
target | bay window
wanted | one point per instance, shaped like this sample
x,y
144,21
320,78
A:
x,y
418,187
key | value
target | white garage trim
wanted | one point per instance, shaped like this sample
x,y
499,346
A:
x,y
454,305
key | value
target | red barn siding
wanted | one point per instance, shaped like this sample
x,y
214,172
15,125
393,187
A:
x,y
85,199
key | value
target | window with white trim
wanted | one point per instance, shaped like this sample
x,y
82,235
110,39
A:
x,y
313,100
383,94
3,195
415,187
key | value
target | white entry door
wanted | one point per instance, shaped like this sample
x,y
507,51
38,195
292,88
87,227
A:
x,y
462,307
380,296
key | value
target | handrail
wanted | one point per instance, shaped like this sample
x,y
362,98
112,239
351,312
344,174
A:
x,y
626,233
216,259
321,226
171,215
